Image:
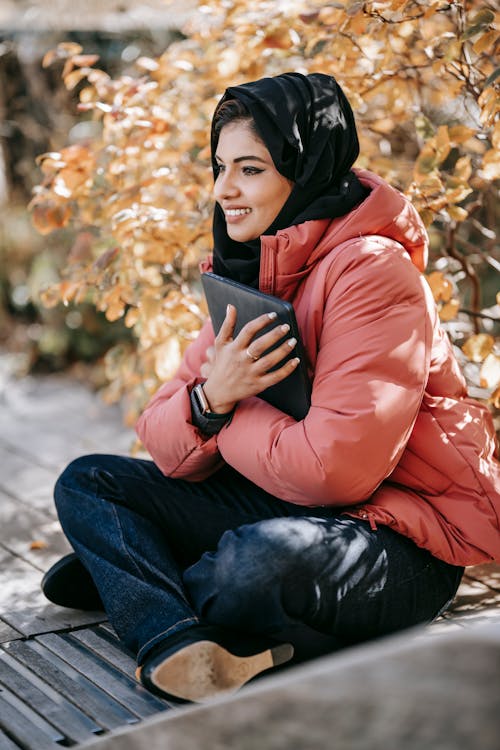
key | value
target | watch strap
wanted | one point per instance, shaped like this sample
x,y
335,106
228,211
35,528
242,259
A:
x,y
210,423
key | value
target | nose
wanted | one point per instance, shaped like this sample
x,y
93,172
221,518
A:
x,y
225,186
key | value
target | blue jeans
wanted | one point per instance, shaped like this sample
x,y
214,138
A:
x,y
166,554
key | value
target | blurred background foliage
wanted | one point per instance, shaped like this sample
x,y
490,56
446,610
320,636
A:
x,y
122,201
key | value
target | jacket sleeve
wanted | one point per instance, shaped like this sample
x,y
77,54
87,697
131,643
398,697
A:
x,y
177,447
370,376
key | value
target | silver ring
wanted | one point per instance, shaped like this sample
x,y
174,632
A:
x,y
251,356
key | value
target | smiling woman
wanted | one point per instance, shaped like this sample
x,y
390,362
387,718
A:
x,y
248,187
252,536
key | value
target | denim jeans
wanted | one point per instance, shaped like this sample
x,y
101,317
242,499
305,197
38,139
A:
x,y
166,554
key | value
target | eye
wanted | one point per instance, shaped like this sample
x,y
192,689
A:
x,y
252,170
219,168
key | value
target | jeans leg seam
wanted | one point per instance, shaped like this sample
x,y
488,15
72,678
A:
x,y
124,546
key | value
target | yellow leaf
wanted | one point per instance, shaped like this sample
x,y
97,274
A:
x,y
442,143
477,347
131,317
463,168
489,374
457,213
449,310
491,164
114,311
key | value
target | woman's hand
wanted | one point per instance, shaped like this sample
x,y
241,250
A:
x,y
238,368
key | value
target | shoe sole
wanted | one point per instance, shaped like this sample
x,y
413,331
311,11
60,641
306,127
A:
x,y
204,670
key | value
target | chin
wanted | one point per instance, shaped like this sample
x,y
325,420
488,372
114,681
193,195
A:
x,y
242,236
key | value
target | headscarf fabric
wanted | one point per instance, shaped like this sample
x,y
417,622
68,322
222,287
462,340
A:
x,y
308,127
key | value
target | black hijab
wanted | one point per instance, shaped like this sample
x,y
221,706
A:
x,y
308,127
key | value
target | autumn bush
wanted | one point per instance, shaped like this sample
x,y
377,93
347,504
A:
x,y
422,80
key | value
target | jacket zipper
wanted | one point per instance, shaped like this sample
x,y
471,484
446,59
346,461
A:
x,y
367,516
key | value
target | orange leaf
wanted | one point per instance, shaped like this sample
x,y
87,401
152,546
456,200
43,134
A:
x,y
477,347
441,287
495,398
449,310
49,216
38,544
84,61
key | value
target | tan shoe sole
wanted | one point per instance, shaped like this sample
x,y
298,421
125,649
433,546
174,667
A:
x,y
204,670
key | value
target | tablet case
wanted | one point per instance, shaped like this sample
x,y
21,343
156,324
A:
x,y
293,394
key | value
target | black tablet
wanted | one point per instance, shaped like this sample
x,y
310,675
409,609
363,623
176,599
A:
x,y
293,394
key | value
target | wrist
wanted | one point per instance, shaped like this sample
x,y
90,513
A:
x,y
215,405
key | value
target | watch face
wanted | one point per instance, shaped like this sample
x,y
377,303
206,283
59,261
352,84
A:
x,y
201,399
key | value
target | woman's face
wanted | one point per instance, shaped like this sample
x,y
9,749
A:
x,y
248,187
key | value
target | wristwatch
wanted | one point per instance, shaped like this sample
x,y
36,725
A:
x,y
207,421
201,400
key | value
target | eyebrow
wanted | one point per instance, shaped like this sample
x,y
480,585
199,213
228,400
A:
x,y
245,158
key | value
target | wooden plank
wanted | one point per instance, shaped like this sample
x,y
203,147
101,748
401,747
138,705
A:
x,y
122,688
33,535
7,633
40,697
108,649
6,743
19,584
22,478
71,684
15,721
32,621
117,656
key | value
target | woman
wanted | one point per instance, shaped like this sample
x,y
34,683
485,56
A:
x,y
253,535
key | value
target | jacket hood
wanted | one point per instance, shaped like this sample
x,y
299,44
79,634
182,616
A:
x,y
385,212
388,213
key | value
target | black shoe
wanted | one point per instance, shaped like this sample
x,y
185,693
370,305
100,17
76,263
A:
x,y
68,584
202,662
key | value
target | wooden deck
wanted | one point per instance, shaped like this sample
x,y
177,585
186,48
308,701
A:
x,y
64,677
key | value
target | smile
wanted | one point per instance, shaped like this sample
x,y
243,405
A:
x,y
237,211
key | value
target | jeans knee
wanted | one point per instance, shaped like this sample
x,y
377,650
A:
x,y
255,559
77,478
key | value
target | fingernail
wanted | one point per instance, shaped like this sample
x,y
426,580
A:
x,y
228,309
285,327
296,360
272,315
291,343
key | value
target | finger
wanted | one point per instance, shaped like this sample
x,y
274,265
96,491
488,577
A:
x,y
268,340
227,328
210,354
276,376
270,360
249,331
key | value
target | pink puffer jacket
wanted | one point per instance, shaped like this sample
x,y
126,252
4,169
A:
x,y
391,436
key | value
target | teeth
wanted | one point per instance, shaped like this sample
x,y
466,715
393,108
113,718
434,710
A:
x,y
237,211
